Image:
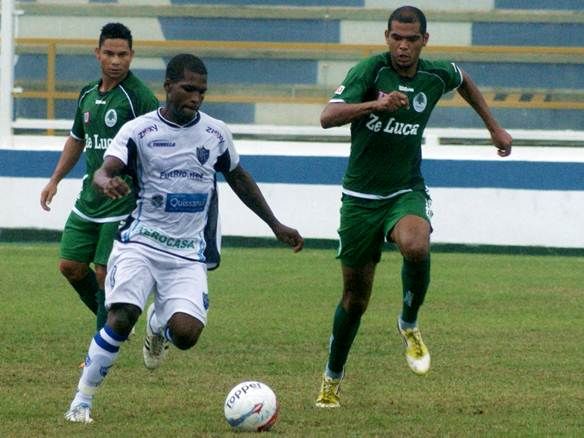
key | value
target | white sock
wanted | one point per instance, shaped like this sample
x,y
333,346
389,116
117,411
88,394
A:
x,y
103,351
407,325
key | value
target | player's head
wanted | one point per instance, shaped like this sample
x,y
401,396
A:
x,y
115,31
114,51
185,85
408,14
180,64
406,36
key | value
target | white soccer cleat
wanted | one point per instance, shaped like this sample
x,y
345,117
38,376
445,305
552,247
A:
x,y
155,345
79,414
417,354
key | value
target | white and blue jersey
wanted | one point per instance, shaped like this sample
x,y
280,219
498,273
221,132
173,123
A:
x,y
174,171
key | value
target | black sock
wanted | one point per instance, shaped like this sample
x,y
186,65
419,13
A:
x,y
345,327
87,290
101,311
415,279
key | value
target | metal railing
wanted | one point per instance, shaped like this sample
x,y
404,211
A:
x,y
505,98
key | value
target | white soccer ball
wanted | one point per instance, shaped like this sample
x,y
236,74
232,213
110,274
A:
x,y
251,407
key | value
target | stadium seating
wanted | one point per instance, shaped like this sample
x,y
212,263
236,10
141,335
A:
x,y
276,61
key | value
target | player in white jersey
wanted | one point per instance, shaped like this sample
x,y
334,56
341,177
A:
x,y
167,242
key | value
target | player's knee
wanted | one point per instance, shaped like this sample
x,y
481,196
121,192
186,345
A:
x,y
415,250
355,306
73,271
185,330
122,317
185,340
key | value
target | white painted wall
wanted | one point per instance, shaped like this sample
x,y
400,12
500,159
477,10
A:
x,y
469,216
373,32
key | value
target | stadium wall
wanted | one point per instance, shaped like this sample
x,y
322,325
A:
x,y
533,198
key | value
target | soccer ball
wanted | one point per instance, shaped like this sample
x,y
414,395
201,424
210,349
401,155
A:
x,y
251,407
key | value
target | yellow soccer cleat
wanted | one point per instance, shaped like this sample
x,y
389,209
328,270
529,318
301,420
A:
x,y
329,393
417,354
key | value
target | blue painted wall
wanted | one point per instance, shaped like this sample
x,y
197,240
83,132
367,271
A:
x,y
539,4
528,34
329,171
526,75
234,29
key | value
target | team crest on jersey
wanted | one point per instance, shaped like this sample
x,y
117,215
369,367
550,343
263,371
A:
x,y
111,118
157,201
420,102
202,154
86,117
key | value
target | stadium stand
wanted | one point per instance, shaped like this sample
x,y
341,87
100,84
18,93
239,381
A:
x,y
276,62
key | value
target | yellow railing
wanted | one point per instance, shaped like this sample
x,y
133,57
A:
x,y
258,49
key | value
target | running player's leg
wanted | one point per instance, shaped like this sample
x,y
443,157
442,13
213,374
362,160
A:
x,y
361,238
77,249
411,234
179,312
128,285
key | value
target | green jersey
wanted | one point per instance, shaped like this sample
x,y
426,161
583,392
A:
x,y
98,118
386,153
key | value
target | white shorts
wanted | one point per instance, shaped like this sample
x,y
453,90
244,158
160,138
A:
x,y
134,270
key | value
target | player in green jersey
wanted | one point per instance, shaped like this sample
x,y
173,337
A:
x,y
103,107
388,99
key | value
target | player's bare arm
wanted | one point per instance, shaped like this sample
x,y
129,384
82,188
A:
x,y
339,113
245,187
69,157
500,137
107,181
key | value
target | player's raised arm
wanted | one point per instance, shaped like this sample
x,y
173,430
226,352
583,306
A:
x,y
245,187
107,181
69,157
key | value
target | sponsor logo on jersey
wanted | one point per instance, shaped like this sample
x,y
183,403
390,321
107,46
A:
x,y
185,202
100,102
96,142
405,89
86,117
420,102
202,154
167,241
392,127
148,129
161,144
111,118
216,133
340,89
181,173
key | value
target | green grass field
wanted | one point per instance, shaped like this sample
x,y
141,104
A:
x,y
506,334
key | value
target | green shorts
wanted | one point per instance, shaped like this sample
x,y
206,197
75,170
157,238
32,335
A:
x,y
87,242
365,224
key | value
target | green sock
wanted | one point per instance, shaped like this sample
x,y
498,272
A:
x,y
345,327
87,290
101,311
415,280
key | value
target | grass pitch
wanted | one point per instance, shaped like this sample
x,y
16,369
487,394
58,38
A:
x,y
505,332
